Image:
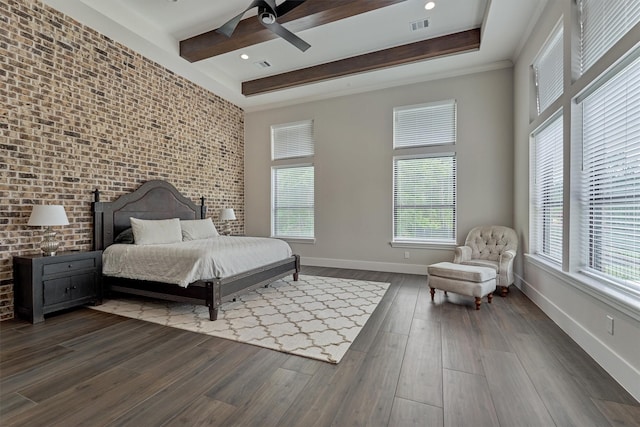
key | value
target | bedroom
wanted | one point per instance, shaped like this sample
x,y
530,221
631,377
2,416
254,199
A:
x,y
95,120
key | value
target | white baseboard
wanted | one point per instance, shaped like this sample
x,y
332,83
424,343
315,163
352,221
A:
x,y
624,373
389,267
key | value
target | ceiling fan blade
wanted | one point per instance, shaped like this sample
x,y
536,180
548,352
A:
x,y
288,36
230,26
287,6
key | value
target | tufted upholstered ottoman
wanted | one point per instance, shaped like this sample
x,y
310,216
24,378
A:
x,y
462,279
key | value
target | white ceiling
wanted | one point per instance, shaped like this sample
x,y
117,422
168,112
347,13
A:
x,y
154,28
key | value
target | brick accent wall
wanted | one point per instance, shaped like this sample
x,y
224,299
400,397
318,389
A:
x,y
80,111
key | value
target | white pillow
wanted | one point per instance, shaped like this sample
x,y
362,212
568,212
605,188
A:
x,y
153,232
195,229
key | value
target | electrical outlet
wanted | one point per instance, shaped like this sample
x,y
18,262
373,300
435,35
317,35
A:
x,y
610,324
407,255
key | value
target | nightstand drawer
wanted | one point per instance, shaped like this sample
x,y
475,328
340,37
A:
x,y
61,267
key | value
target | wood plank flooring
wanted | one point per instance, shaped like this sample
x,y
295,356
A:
x,y
415,363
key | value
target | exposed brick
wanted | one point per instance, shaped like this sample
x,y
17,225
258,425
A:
x,y
83,112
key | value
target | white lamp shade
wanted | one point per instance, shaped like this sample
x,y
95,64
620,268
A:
x,y
227,215
48,215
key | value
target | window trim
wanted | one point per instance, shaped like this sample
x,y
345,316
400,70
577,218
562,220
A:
x,y
446,102
597,288
581,254
556,32
290,162
533,206
293,239
583,69
272,130
422,243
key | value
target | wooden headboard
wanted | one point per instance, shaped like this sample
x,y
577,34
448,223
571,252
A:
x,y
152,200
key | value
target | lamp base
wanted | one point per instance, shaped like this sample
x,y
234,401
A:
x,y
226,231
49,243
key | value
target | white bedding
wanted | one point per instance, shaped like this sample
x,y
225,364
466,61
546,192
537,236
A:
x,y
185,262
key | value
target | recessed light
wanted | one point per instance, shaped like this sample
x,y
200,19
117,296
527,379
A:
x,y
430,5
244,56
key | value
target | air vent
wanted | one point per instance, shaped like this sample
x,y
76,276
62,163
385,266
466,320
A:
x,y
262,64
420,25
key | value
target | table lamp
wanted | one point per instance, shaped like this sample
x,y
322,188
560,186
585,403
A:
x,y
227,215
48,216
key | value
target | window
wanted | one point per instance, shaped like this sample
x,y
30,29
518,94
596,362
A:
x,y
293,207
547,206
292,140
602,24
427,124
547,71
610,178
292,180
424,199
424,182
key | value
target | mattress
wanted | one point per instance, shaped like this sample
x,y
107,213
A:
x,y
186,262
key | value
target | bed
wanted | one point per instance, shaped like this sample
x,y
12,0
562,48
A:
x,y
157,200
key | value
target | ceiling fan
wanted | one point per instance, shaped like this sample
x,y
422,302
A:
x,y
268,12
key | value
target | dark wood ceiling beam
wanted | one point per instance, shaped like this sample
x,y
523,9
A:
x,y
413,52
311,13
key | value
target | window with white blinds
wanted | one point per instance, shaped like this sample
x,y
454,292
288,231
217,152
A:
x,y
293,206
424,199
292,140
547,71
425,124
611,177
292,185
547,190
602,24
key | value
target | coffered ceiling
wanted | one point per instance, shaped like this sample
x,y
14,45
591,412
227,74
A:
x,y
356,45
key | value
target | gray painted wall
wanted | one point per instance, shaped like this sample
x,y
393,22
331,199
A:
x,y
353,164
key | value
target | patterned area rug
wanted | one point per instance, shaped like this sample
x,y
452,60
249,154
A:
x,y
315,317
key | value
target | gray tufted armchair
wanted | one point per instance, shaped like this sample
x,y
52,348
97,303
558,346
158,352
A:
x,y
492,246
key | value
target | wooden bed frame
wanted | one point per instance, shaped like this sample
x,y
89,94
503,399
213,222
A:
x,y
161,200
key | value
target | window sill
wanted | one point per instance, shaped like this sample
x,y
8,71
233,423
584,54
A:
x,y
422,245
306,240
626,302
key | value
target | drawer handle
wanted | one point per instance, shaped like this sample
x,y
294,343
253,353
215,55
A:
x,y
70,265
74,287
66,290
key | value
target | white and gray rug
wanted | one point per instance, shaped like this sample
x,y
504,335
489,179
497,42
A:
x,y
315,317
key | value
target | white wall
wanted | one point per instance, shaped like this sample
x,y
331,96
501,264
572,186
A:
x,y
353,166
581,312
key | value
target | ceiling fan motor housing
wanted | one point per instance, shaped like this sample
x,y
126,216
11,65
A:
x,y
267,17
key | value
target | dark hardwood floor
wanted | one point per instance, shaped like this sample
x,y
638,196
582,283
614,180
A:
x,y
414,363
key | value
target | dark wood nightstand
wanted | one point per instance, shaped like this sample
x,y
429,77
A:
x,y
45,284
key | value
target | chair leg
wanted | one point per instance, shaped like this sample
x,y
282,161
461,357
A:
x,y
489,298
478,302
433,293
504,291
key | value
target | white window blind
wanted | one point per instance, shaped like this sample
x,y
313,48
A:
x,y
611,178
292,201
547,191
426,124
602,24
292,140
548,70
424,199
